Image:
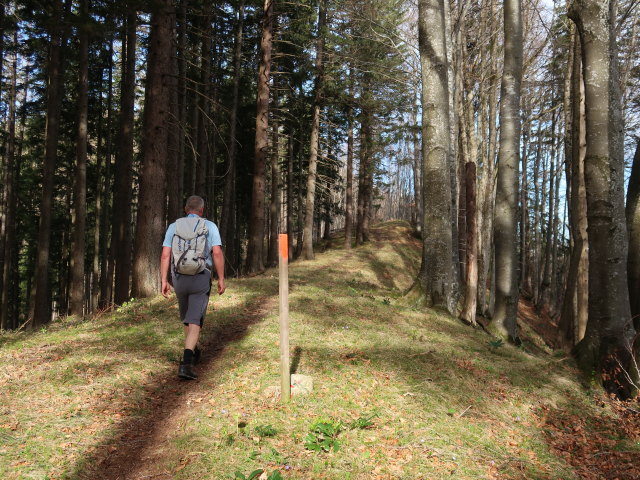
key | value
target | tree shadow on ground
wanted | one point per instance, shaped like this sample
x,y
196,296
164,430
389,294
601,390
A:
x,y
118,456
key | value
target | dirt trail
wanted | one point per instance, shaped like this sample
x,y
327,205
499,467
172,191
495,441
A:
x,y
137,450
139,447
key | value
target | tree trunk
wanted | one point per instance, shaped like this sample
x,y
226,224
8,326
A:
x,y
10,283
607,347
555,277
524,207
436,272
300,219
574,313
228,223
120,250
506,210
307,237
463,146
174,138
544,299
363,172
61,300
203,158
327,216
328,197
488,181
633,224
290,195
3,172
417,173
274,201
348,210
216,73
369,167
150,224
100,192
177,208
106,266
80,189
256,223
538,206
469,309
453,154
42,299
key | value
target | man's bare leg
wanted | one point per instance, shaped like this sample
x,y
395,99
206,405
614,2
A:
x,y
191,335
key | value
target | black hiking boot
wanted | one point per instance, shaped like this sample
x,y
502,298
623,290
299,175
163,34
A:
x,y
197,353
185,370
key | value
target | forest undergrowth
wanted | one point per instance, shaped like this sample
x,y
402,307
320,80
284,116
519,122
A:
x,y
400,392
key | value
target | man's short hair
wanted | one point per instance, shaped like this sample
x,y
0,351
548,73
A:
x,y
194,204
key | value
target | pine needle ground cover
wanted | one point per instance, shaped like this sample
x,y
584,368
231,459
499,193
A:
x,y
399,391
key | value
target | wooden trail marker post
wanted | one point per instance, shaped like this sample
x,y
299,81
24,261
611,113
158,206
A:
x,y
285,374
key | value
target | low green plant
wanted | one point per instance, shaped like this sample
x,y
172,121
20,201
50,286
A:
x,y
127,306
265,431
253,455
255,474
497,343
363,422
275,456
323,436
275,475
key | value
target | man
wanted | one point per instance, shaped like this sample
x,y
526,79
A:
x,y
192,290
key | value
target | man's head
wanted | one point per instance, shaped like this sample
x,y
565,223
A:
x,y
195,204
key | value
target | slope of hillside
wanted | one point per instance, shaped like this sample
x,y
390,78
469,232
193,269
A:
x,y
399,391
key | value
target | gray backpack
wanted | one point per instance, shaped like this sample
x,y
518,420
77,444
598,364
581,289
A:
x,y
189,246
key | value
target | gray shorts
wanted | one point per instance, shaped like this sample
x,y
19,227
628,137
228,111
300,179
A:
x,y
193,295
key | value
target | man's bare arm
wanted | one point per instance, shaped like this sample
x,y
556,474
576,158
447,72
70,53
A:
x,y
218,261
164,270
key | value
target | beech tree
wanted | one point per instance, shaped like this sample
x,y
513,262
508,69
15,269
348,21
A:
x,y
505,222
607,347
436,272
633,225
574,314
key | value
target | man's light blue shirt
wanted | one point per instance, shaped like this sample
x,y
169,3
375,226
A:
x,y
213,238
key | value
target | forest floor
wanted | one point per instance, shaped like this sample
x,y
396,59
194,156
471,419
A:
x,y
400,391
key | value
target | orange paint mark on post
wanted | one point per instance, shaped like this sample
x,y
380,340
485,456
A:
x,y
284,245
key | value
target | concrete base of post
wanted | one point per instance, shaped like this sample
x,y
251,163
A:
x,y
300,385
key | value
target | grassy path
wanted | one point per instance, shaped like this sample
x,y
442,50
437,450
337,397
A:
x,y
409,392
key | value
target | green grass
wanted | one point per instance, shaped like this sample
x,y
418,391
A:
x,y
429,397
